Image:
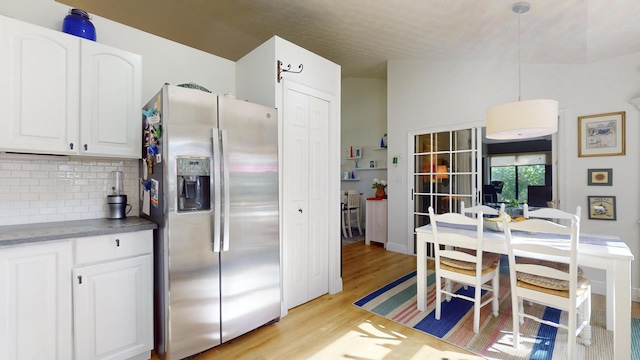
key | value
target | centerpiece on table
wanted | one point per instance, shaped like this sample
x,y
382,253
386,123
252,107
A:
x,y
379,185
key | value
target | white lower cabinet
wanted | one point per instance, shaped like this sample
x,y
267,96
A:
x,y
113,297
109,308
35,301
376,230
110,303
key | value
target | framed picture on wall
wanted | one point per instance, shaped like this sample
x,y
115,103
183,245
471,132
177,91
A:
x,y
600,177
601,134
602,207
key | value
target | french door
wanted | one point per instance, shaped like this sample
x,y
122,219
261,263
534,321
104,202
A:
x,y
446,170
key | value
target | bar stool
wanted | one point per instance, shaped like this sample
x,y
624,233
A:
x,y
353,208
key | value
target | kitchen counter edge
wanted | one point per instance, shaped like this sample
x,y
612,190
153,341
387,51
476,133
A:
x,y
40,232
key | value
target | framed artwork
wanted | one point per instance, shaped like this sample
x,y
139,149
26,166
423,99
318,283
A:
x,y
357,152
372,164
600,177
601,134
602,207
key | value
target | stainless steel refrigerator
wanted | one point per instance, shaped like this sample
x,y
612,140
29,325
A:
x,y
209,179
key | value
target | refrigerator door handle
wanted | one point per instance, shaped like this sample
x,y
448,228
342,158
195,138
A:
x,y
227,197
217,205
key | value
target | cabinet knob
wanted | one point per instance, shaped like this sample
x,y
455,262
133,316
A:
x,y
300,211
118,242
71,146
79,279
85,146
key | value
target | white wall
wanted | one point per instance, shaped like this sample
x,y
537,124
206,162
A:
x,y
422,95
364,122
43,190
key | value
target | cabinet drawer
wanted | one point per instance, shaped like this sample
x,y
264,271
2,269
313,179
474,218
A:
x,y
114,246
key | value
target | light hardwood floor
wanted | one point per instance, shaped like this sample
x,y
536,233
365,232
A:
x,y
330,327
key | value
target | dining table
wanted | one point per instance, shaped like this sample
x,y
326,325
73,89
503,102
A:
x,y
605,252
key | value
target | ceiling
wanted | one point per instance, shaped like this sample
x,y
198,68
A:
x,y
361,35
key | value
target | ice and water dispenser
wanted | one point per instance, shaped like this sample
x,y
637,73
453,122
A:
x,y
193,184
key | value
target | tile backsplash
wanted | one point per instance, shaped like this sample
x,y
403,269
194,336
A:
x,y
38,189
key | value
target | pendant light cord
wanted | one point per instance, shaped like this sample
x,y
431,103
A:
x,y
519,61
520,8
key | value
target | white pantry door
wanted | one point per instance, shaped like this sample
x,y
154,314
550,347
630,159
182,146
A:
x,y
305,194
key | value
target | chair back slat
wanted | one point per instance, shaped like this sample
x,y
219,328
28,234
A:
x,y
540,226
353,199
549,251
549,213
486,210
457,219
459,240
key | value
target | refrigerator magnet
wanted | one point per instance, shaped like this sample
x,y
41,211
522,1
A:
x,y
154,193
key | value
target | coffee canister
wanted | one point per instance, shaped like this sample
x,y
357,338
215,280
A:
x,y
79,24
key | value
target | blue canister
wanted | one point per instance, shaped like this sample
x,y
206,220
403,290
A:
x,y
78,23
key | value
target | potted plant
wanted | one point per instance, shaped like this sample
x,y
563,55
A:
x,y
379,185
512,207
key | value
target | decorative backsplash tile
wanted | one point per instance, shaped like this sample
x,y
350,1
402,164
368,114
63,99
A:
x,y
35,191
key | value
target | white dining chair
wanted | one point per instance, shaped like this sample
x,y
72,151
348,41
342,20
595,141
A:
x,y
352,210
546,272
460,258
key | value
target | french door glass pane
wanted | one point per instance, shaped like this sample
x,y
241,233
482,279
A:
x,y
445,173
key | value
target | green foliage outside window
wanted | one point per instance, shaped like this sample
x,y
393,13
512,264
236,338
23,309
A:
x,y
526,175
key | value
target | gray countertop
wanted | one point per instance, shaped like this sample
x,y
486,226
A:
x,y
32,233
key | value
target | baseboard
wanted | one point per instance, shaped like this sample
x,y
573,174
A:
x,y
600,288
396,248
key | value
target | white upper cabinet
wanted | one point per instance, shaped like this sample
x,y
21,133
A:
x,y
39,93
66,95
110,87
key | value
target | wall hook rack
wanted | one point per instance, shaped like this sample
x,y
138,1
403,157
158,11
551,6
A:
x,y
287,69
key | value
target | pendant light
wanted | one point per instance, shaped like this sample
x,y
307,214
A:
x,y
522,119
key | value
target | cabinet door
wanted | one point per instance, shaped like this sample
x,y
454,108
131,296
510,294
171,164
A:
x,y
376,222
112,315
110,101
39,94
35,302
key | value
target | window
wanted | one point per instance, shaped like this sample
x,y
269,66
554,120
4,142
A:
x,y
518,172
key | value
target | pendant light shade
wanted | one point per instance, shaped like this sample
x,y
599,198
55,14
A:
x,y
522,119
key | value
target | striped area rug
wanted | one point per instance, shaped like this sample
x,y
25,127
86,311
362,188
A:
x,y
396,301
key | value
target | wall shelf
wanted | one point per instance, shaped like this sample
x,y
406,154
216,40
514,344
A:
x,y
353,158
356,179
375,168
380,148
